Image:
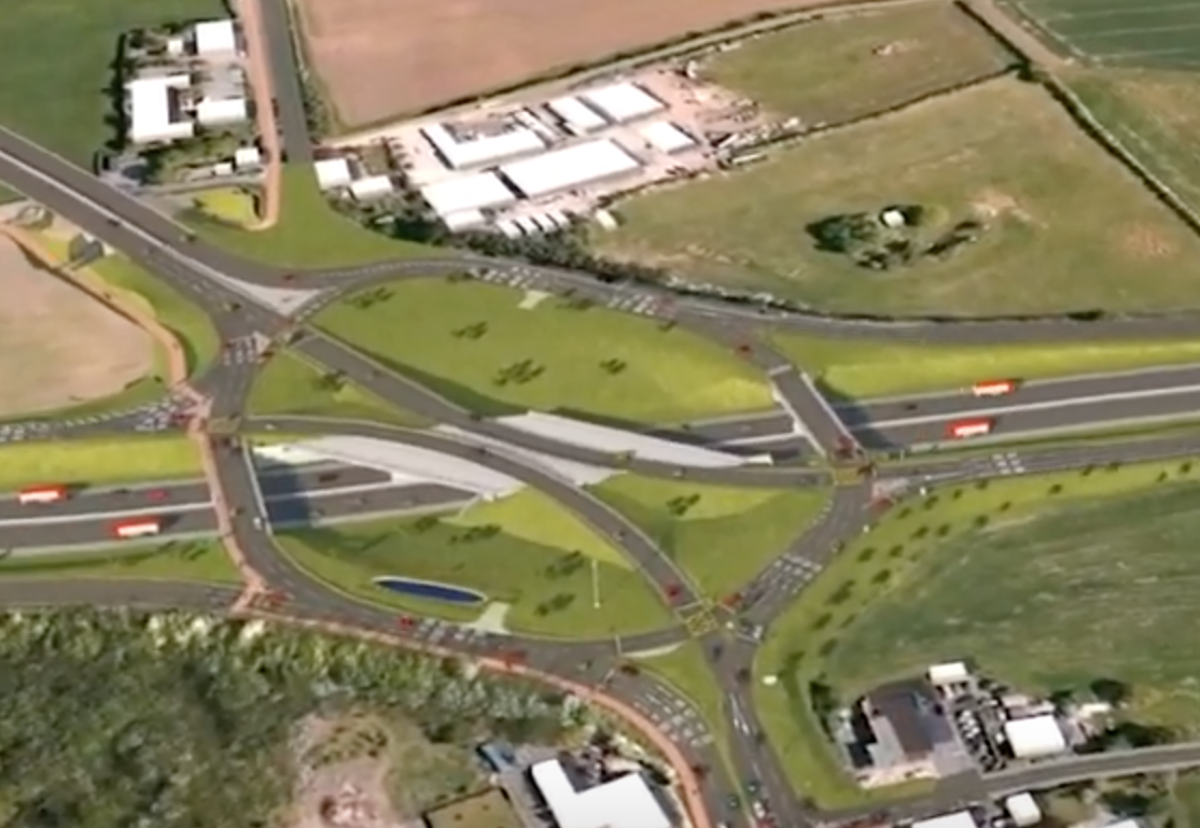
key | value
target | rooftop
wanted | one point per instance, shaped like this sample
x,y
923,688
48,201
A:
x,y
626,802
906,705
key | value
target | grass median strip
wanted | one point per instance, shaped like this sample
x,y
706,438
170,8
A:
x,y
97,462
200,561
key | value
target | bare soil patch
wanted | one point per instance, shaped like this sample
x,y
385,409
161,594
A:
x,y
58,346
380,58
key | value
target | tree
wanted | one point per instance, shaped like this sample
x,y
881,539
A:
x,y
1111,691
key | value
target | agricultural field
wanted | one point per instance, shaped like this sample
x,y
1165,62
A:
x,y
60,347
722,536
858,64
1008,203
1154,114
1089,574
352,43
63,103
1157,34
498,350
524,551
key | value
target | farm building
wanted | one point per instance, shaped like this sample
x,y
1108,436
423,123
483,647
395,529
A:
x,y
951,672
461,153
333,173
623,102
577,116
666,137
371,187
625,802
220,112
1023,810
958,819
154,110
215,39
563,169
247,158
1035,737
467,193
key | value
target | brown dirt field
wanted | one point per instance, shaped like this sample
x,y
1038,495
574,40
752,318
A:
x,y
382,58
58,346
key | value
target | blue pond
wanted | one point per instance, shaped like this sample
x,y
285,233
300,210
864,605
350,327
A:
x,y
430,589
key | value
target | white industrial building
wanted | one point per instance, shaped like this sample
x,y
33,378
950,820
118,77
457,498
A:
x,y
247,158
1035,737
666,137
951,672
465,193
486,149
958,819
577,116
626,802
221,112
333,173
1023,810
623,102
154,112
371,187
569,167
216,39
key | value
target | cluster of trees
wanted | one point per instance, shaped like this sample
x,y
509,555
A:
x,y
122,720
168,163
875,246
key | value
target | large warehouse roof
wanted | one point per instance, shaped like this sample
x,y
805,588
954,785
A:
x,y
576,113
664,136
150,109
332,173
626,802
623,102
1035,736
215,37
468,192
565,168
488,149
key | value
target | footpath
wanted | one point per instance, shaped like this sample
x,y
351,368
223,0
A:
x,y
259,71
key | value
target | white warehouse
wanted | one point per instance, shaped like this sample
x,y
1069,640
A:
x,y
576,115
489,149
623,102
626,802
154,112
666,137
467,193
1035,737
563,169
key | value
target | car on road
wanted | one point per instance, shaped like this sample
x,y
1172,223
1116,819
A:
x,y
157,494
753,787
733,802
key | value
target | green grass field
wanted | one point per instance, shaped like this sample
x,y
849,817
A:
x,y
863,368
60,102
310,234
97,461
1117,32
474,344
1185,800
289,385
1154,115
523,550
203,561
1049,204
232,205
1046,582
855,65
721,535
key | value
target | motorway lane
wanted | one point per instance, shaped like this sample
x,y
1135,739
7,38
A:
x,y
1055,418
961,402
97,531
733,429
328,507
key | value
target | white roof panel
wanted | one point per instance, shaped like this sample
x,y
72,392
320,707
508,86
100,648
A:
x,y
958,819
1023,809
411,463
150,109
468,192
949,673
569,167
1035,736
215,37
332,173
576,113
372,186
623,102
463,219
224,111
665,136
615,440
483,150
625,802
